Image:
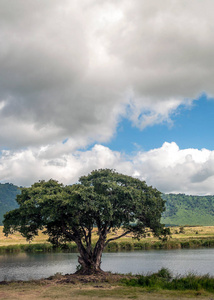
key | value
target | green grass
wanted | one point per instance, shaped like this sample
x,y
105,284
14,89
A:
x,y
156,244
163,280
114,246
186,209
160,285
184,216
181,237
35,248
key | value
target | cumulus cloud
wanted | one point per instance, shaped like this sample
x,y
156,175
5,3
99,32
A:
x,y
73,68
27,166
170,169
174,170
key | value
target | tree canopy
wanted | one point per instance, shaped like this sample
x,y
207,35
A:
x,y
103,199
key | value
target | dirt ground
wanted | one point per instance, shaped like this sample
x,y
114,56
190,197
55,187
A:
x,y
78,287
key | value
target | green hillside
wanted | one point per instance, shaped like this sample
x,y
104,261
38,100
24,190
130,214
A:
x,y
8,193
183,209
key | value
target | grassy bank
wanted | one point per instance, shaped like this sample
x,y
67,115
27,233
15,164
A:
x,y
36,247
181,237
171,244
163,280
111,286
113,246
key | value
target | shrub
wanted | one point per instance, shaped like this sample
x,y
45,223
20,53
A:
x,y
163,280
181,229
126,245
112,246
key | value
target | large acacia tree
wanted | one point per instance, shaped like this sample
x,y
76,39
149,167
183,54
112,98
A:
x,y
104,199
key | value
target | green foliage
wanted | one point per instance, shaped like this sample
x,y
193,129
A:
x,y
8,193
26,248
156,280
104,198
113,246
37,247
192,282
163,280
184,209
125,201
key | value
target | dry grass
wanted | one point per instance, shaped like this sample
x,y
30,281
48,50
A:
x,y
107,290
16,238
189,233
59,288
194,231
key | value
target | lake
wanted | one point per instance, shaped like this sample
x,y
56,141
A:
x,y
180,261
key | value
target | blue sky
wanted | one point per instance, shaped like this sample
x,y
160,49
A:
x,y
191,127
127,91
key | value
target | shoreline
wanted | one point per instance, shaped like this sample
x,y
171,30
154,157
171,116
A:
x,y
110,286
178,243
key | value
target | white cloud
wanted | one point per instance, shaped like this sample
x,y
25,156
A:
x,y
171,169
70,70
67,68
168,168
27,166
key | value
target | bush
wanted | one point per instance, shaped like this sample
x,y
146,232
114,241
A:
x,y
126,245
112,246
163,280
154,280
181,229
164,273
193,282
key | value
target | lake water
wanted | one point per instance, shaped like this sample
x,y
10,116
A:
x,y
35,266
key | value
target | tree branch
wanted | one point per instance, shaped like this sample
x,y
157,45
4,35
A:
x,y
89,235
118,237
85,235
67,233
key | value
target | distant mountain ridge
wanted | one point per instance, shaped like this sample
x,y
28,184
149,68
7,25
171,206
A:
x,y
8,193
184,209
181,209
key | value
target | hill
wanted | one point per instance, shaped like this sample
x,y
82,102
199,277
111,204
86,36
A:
x,y
183,209
8,193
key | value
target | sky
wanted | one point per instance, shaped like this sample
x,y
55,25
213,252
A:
x,y
126,85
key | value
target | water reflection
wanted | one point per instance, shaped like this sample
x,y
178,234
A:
x,y
178,261
35,266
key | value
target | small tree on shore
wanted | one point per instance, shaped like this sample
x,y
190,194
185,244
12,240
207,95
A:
x,y
104,199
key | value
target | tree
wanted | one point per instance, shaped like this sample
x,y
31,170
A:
x,y
104,199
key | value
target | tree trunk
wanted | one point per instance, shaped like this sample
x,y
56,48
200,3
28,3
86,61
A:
x,y
89,267
90,262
